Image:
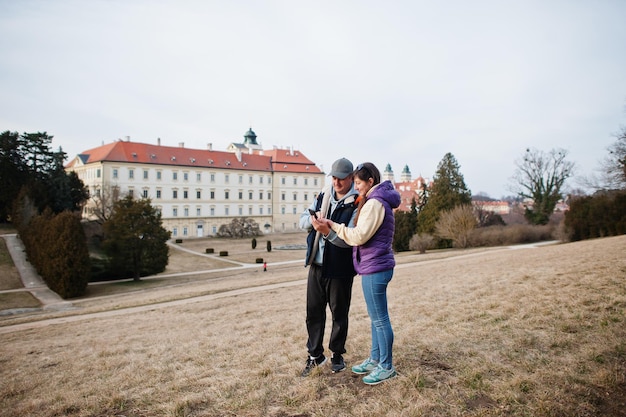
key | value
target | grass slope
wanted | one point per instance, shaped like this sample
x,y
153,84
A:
x,y
525,332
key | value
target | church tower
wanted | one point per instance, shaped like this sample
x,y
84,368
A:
x,y
388,174
249,145
406,174
250,139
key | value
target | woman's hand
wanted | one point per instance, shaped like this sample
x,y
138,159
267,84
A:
x,y
322,225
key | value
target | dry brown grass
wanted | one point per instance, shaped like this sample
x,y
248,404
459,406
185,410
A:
x,y
500,332
20,301
10,276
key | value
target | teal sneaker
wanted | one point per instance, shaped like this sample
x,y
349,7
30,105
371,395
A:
x,y
379,375
366,367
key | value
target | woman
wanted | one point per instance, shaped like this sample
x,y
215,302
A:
x,y
372,255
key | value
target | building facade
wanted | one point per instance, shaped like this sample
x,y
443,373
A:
x,y
410,189
198,190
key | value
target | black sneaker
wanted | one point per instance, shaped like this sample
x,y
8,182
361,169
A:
x,y
312,363
337,363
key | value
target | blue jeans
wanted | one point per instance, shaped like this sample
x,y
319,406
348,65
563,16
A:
x,y
375,292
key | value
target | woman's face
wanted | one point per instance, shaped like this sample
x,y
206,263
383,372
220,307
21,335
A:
x,y
363,186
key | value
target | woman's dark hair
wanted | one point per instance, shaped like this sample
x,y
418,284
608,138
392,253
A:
x,y
364,172
367,170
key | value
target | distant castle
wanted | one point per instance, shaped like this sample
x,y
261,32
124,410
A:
x,y
408,188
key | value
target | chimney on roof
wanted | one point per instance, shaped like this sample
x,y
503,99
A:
x,y
181,144
127,138
158,141
209,146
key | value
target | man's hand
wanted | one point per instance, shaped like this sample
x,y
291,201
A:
x,y
322,225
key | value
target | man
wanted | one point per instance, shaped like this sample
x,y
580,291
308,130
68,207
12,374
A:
x,y
331,271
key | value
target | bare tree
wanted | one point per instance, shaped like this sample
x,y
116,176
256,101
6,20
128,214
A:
x,y
484,216
540,177
457,225
421,242
103,202
239,227
614,165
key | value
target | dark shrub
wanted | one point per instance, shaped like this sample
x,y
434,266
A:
x,y
600,215
510,235
57,247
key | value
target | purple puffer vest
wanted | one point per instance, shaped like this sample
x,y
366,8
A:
x,y
376,254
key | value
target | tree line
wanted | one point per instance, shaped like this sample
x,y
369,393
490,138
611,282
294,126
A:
x,y
443,216
604,212
44,204
30,169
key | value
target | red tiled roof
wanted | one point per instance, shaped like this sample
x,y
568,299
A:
x,y
286,160
409,190
143,153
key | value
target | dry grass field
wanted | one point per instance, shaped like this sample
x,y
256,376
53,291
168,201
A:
x,y
532,331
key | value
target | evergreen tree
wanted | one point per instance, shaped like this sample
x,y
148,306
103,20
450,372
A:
x,y
66,266
406,226
448,191
28,165
65,191
13,172
37,154
135,239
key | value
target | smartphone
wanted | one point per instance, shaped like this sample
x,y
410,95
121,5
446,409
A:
x,y
313,213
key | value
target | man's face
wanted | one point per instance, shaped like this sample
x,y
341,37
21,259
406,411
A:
x,y
342,186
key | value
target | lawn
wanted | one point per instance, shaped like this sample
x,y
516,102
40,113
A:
x,y
533,331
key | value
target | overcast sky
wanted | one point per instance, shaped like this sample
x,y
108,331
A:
x,y
398,82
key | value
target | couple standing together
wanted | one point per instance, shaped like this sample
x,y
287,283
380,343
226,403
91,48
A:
x,y
351,232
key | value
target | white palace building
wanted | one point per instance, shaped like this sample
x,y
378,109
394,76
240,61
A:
x,y
198,190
